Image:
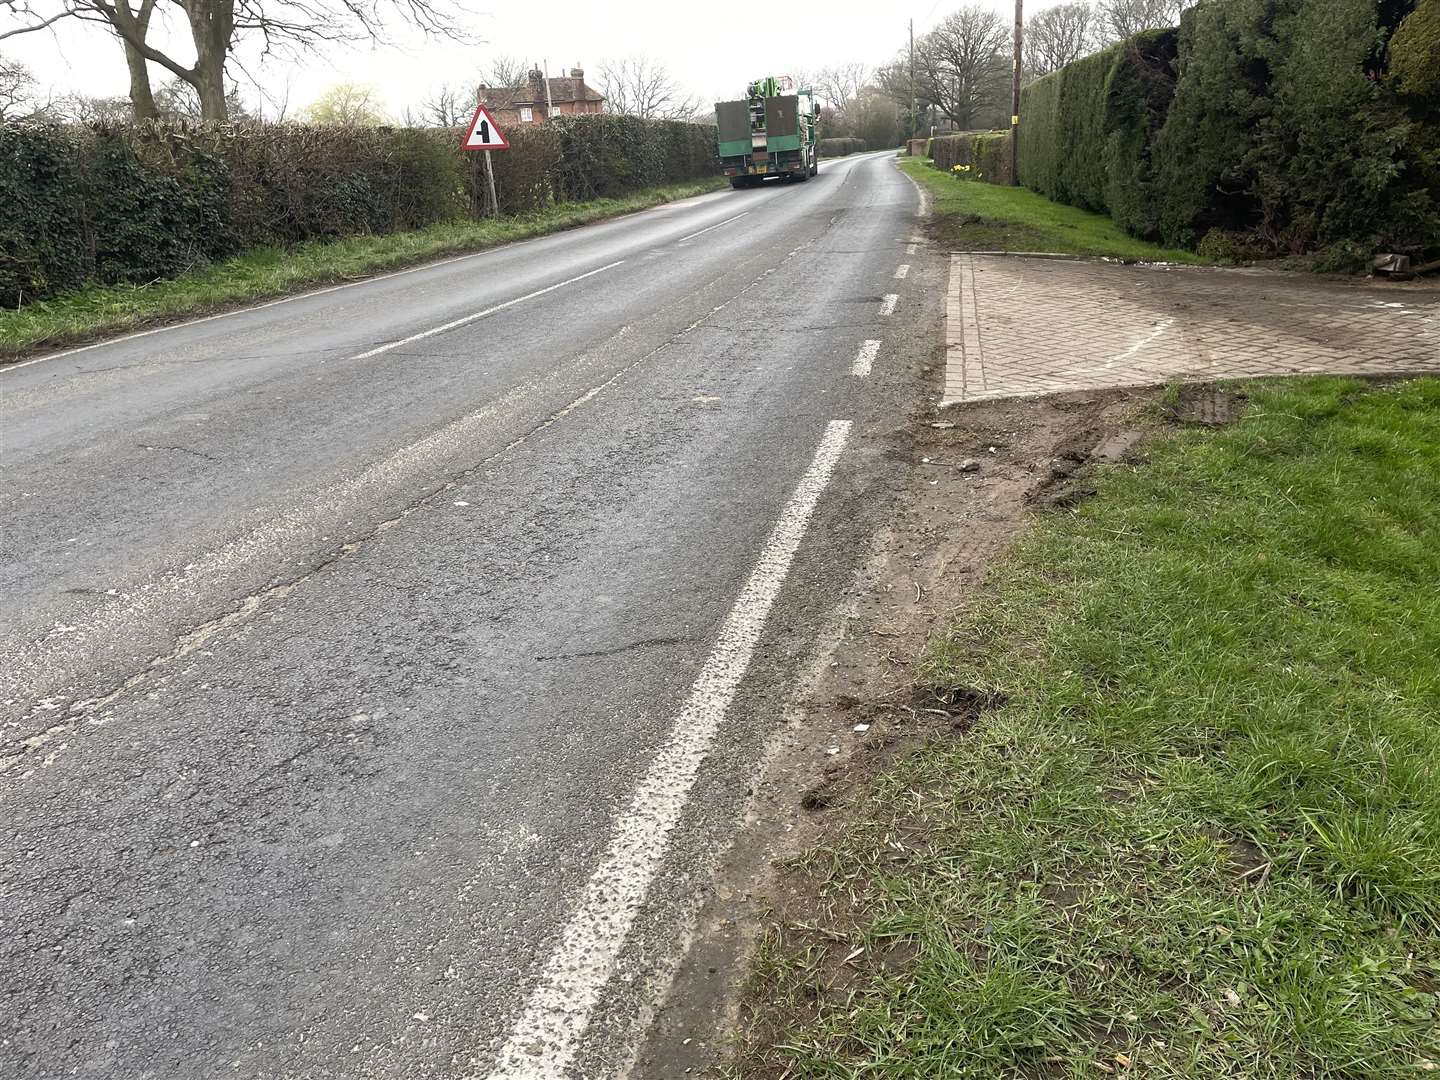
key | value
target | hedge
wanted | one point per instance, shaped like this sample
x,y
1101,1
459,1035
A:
x,y
135,203
830,148
987,152
1287,124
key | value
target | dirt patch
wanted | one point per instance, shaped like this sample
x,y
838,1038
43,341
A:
x,y
978,473
1210,406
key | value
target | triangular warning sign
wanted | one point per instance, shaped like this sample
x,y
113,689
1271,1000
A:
x,y
483,134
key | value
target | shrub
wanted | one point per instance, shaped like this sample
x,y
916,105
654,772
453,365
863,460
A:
x,y
986,153
135,203
42,231
838,147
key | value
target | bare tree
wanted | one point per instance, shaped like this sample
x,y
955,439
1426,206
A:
x,y
288,26
840,89
17,89
1120,19
962,63
641,86
504,79
1057,35
177,100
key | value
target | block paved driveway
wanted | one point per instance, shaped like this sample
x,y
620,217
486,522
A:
x,y
1020,326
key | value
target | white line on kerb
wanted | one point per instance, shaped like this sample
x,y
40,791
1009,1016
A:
x,y
546,1037
454,324
902,270
717,225
865,359
888,302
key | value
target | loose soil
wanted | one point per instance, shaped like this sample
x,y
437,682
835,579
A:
x,y
978,472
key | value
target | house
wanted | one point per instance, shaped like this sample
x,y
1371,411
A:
x,y
540,98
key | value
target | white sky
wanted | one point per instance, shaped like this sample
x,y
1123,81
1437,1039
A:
x,y
712,49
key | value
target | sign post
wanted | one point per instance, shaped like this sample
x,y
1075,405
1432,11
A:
x,y
482,134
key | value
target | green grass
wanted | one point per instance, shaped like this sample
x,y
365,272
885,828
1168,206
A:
x,y
972,215
270,272
1201,838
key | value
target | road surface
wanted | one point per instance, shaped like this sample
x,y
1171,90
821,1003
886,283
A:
x,y
384,668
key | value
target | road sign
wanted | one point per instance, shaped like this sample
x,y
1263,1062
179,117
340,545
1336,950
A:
x,y
483,134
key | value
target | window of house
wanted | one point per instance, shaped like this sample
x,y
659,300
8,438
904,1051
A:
x,y
527,114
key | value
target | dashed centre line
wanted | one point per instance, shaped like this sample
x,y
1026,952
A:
x,y
888,302
902,271
865,360
545,1039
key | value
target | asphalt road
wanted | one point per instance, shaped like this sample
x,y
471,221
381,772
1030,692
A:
x,y
383,669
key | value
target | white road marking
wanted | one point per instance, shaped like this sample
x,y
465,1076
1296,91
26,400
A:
x,y
902,271
911,249
717,225
1146,340
865,359
544,1040
456,323
499,249
887,303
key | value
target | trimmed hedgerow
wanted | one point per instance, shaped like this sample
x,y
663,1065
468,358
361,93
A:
x,y
136,203
986,152
1274,121
839,147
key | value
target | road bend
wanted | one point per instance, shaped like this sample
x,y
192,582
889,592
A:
x,y
383,669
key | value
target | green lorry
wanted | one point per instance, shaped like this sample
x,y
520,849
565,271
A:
x,y
772,132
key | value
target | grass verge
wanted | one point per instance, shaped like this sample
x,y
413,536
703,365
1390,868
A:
x,y
1199,835
265,273
971,215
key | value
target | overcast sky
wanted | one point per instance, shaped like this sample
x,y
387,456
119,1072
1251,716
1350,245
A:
x,y
714,49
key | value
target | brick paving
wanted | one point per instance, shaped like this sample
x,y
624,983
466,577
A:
x,y
1022,326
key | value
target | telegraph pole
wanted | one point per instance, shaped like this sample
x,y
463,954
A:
x,y
1015,95
914,100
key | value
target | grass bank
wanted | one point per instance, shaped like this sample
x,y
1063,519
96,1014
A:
x,y
1197,833
972,215
265,273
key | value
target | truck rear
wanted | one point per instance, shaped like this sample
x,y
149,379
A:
x,y
774,131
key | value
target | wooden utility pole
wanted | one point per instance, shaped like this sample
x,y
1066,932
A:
x,y
1015,95
914,99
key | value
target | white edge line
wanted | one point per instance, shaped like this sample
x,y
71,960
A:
x,y
865,359
717,225
888,302
545,1038
462,321
368,280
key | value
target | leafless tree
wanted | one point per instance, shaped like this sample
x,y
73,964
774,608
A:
x,y
641,86
445,106
1120,19
177,100
84,109
839,90
962,63
502,82
1057,35
286,26
17,89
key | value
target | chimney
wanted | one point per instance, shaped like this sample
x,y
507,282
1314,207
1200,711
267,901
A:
x,y
577,72
537,85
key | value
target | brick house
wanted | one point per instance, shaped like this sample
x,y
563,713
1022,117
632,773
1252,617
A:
x,y
531,104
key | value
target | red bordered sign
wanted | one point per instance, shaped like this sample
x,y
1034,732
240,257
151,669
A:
x,y
483,134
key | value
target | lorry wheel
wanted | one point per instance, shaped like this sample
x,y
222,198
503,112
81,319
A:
x,y
738,182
